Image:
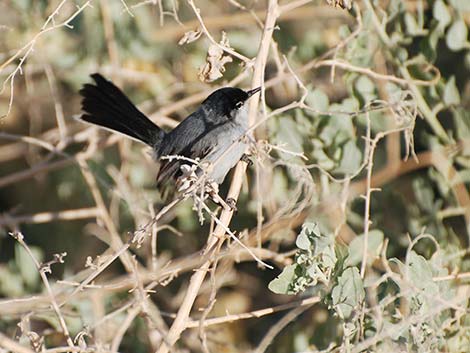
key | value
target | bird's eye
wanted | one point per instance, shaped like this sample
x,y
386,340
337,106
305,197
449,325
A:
x,y
239,105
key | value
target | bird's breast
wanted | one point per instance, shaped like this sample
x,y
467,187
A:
x,y
230,148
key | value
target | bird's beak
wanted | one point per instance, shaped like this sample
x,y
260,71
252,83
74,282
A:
x,y
253,91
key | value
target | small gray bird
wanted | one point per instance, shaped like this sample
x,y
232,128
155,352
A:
x,y
219,122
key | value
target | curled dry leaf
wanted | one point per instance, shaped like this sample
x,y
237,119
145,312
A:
x,y
344,4
190,36
90,264
215,61
187,178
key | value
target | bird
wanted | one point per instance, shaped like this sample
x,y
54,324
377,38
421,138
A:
x,y
213,133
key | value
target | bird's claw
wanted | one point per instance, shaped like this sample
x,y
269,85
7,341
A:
x,y
246,158
232,204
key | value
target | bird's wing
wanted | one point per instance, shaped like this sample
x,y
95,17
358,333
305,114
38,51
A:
x,y
170,168
189,140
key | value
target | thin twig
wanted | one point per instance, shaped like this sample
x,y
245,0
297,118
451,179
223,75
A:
x,y
278,327
253,314
42,272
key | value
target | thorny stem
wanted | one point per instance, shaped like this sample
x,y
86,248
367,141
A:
x,y
29,48
370,148
426,111
42,272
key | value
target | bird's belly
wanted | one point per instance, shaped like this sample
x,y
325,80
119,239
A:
x,y
225,159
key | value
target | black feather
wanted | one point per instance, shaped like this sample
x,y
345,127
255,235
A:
x,y
106,105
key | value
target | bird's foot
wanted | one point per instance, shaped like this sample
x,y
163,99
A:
x,y
246,158
232,204
212,190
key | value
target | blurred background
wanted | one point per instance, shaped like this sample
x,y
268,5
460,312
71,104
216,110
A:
x,y
360,98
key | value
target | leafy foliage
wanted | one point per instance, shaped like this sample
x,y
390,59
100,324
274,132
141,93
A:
x,y
314,262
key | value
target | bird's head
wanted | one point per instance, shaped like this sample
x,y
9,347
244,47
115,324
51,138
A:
x,y
229,102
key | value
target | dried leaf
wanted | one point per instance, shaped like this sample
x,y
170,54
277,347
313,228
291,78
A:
x,y
190,36
343,4
215,61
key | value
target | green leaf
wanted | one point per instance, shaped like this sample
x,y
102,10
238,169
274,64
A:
x,y
456,37
349,104
420,275
339,129
318,100
289,134
11,284
314,262
305,238
351,158
303,241
394,91
402,54
451,93
356,247
412,27
282,284
366,89
441,14
348,293
429,43
461,5
28,270
322,159
364,84
395,7
462,124
424,194
420,272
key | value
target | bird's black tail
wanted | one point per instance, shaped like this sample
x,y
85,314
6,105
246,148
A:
x,y
106,105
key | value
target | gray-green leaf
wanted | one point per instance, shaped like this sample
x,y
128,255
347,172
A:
x,y
28,270
441,14
305,240
290,135
282,283
351,158
420,272
318,100
356,247
348,293
451,93
411,25
461,5
456,37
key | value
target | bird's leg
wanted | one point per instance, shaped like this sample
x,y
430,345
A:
x,y
213,191
246,158
232,204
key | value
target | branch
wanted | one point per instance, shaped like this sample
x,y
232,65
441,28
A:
x,y
255,313
45,217
180,322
